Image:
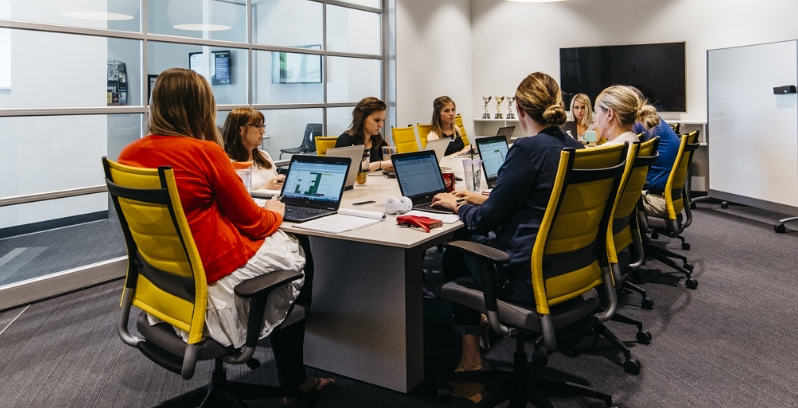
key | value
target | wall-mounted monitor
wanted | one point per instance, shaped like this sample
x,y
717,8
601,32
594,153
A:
x,y
658,70
295,68
216,71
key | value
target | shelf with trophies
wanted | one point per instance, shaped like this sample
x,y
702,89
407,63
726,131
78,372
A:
x,y
489,124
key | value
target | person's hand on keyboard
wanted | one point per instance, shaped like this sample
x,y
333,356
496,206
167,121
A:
x,y
444,200
275,205
470,196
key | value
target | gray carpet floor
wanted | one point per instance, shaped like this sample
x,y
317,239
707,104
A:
x,y
729,343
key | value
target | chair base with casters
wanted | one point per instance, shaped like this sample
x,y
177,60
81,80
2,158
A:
x,y
656,226
781,228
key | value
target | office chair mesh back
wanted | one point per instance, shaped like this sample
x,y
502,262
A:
x,y
570,248
404,139
458,120
674,188
423,132
164,272
323,143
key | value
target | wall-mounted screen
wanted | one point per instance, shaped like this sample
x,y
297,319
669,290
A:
x,y
658,70
216,71
295,68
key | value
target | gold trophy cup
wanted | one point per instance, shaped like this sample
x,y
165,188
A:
x,y
510,114
487,99
499,100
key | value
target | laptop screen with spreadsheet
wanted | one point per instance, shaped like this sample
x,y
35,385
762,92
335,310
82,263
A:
x,y
316,181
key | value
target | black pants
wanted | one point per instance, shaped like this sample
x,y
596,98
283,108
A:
x,y
288,347
305,297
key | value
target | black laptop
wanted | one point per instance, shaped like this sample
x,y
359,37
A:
x,y
419,177
492,151
313,186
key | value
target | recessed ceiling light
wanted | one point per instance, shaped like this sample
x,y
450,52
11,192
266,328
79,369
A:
x,y
202,27
535,1
97,15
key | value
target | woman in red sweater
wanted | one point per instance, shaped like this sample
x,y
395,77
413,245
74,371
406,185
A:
x,y
236,238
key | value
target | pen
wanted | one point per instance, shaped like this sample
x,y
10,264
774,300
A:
x,y
364,202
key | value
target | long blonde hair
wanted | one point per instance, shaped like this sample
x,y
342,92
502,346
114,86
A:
x,y
539,96
585,100
435,124
183,105
628,106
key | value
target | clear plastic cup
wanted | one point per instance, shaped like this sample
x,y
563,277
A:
x,y
472,174
387,152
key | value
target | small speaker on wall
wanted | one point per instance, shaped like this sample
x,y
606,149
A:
x,y
786,89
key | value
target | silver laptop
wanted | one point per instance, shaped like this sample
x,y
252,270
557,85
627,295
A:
x,y
355,153
439,146
507,132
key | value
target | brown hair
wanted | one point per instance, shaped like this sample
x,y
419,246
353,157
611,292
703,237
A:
x,y
183,105
539,96
585,100
232,135
437,106
362,111
628,106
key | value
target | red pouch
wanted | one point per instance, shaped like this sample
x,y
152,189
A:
x,y
425,223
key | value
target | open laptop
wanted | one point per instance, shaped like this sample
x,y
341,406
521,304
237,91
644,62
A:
x,y
354,153
419,178
439,147
313,186
492,151
507,132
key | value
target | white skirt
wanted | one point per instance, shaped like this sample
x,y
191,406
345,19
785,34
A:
x,y
226,315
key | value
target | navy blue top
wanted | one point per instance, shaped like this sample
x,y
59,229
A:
x,y
517,203
668,149
376,148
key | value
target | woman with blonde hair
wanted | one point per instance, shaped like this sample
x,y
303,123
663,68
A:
x,y
583,114
514,209
617,109
444,113
243,135
236,239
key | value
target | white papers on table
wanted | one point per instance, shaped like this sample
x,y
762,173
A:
x,y
445,218
347,219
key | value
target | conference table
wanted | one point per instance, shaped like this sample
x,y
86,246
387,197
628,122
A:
x,y
366,320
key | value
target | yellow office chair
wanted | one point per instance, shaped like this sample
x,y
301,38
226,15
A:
x,y
675,127
458,120
323,143
677,202
569,261
166,279
423,132
404,139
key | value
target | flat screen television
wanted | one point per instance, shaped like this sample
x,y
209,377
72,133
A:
x,y
295,68
657,70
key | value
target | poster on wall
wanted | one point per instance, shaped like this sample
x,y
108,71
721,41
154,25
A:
x,y
117,83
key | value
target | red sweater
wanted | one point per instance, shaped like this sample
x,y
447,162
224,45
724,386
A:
x,y
227,226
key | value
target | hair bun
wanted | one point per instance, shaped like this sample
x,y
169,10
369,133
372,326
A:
x,y
647,115
554,115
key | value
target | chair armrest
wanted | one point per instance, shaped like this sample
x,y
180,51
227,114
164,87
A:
x,y
264,284
282,163
478,251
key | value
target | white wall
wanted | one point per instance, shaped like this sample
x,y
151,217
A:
x,y
433,58
511,40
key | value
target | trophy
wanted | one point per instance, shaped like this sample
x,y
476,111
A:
x,y
487,99
499,100
510,100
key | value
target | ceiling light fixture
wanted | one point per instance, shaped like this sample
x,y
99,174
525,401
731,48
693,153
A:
x,y
201,15
535,1
97,15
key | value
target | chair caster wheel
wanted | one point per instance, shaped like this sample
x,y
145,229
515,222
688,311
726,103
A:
x,y
780,228
253,364
644,337
444,394
540,358
686,246
632,366
724,205
647,303
691,283
688,266
637,278
654,235
692,206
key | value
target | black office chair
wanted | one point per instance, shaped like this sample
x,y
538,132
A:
x,y
308,140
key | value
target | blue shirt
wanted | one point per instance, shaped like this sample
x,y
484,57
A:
x,y
668,148
517,203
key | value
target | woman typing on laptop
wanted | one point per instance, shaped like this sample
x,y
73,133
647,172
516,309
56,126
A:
x,y
443,114
515,207
368,117
236,239
243,135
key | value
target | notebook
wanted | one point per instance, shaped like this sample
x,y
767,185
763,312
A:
x,y
507,132
354,153
419,178
492,151
439,147
313,186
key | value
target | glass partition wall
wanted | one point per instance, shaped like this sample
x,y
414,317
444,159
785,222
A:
x,y
75,80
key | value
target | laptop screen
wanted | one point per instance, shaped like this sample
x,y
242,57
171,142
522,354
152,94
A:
x,y
492,151
416,173
318,182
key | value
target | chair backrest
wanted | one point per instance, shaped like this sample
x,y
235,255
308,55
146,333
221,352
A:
x,y
323,143
675,127
569,257
165,276
308,139
404,139
423,132
674,187
458,120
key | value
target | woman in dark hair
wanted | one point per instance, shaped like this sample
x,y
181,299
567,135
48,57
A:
x,y
368,118
444,112
243,135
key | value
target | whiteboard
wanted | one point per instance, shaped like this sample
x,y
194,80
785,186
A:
x,y
753,151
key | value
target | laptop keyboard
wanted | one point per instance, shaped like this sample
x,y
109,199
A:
x,y
428,207
305,210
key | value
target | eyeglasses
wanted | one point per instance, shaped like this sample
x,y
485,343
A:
x,y
257,126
